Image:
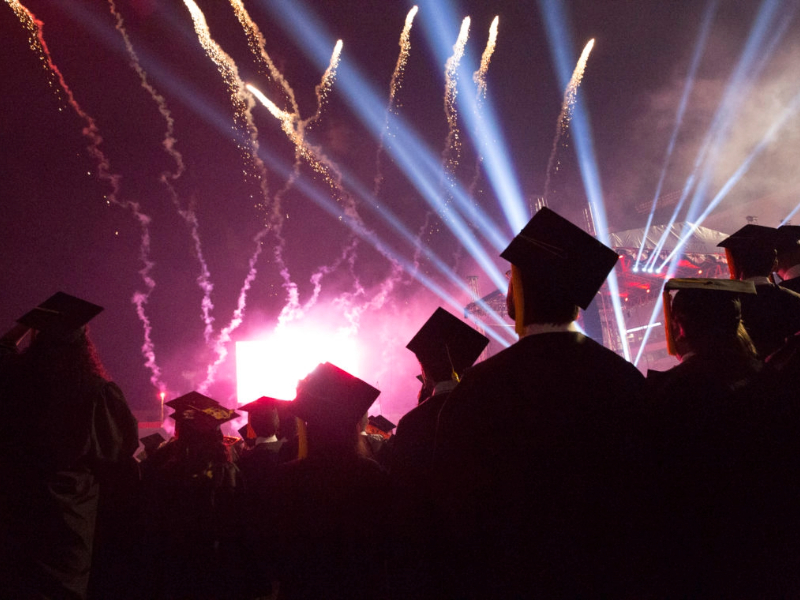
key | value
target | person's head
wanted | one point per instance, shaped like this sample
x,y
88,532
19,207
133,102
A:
x,y
704,317
751,251
542,303
60,342
556,268
446,346
332,403
198,417
263,416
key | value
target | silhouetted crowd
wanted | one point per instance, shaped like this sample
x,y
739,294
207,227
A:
x,y
553,469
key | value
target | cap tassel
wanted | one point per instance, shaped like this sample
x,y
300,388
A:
x,y
453,373
519,300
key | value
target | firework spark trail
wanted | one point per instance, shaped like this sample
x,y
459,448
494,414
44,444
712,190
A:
x,y
353,313
169,177
452,147
288,125
221,346
562,125
257,43
479,77
92,134
323,89
394,86
241,101
38,45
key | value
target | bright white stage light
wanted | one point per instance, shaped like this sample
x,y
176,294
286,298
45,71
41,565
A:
x,y
272,366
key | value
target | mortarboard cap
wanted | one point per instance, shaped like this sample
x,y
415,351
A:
x,y
446,339
215,415
193,399
750,243
330,394
152,442
751,237
562,256
263,404
60,315
194,406
382,423
708,299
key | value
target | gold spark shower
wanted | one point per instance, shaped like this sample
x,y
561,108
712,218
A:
x,y
257,44
479,77
241,101
452,150
394,86
567,107
169,177
38,45
91,132
323,88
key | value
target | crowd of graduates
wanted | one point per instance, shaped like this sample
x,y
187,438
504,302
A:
x,y
553,469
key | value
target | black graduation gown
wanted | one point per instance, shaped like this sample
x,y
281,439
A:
x,y
417,543
331,515
59,444
770,316
190,500
714,505
251,551
528,470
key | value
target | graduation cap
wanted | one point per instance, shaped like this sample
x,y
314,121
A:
x,y
561,256
60,315
381,423
711,302
751,236
447,341
331,394
263,416
196,407
213,416
751,241
152,442
261,405
192,399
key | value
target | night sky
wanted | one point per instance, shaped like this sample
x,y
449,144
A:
x,y
59,233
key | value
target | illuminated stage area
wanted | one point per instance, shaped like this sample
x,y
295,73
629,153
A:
x,y
251,188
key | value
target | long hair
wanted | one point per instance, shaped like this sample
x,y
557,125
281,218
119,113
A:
x,y
72,359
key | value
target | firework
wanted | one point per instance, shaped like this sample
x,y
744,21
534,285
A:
x,y
452,147
257,45
169,177
241,101
92,134
394,86
567,107
479,77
